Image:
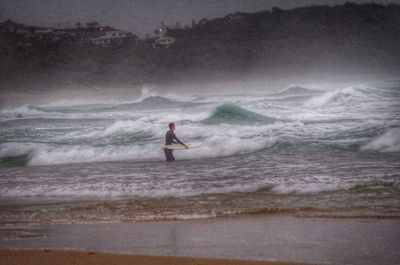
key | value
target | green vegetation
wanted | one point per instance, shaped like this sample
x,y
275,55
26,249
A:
x,y
348,38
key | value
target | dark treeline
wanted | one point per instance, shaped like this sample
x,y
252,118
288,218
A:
x,y
350,38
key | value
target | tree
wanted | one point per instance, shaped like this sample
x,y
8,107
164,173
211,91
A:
x,y
203,21
93,24
276,9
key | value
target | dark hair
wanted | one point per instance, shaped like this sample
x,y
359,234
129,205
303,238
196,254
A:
x,y
171,125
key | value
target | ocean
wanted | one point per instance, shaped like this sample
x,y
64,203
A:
x,y
301,151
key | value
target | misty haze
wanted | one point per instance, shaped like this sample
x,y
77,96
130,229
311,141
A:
x,y
244,130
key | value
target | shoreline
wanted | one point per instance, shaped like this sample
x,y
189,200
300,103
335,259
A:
x,y
311,215
315,216
191,208
44,257
190,217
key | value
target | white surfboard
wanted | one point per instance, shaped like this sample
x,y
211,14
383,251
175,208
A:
x,y
181,147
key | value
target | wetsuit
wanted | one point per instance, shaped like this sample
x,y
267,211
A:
x,y
170,138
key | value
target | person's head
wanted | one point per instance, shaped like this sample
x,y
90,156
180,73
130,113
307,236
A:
x,y
171,126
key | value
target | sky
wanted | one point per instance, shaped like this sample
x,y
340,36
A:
x,y
140,16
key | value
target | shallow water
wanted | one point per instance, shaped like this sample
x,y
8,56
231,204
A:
x,y
300,151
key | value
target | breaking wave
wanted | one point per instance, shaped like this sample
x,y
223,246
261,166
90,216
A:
x,y
387,142
233,114
240,124
342,96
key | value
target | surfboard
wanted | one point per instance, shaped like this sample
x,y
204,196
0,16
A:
x,y
181,147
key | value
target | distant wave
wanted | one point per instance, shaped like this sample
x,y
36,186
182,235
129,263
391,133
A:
x,y
342,96
158,100
387,142
233,114
29,111
145,103
296,90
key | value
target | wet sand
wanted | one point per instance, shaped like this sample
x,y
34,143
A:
x,y
268,239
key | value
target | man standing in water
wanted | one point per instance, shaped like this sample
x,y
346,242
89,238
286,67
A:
x,y
170,138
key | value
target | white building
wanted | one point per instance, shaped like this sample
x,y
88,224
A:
x,y
112,36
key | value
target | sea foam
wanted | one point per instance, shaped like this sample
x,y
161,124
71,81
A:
x,y
387,142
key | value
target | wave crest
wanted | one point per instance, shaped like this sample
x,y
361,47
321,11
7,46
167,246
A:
x,y
297,90
341,96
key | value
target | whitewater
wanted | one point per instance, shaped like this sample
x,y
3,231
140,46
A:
x,y
302,151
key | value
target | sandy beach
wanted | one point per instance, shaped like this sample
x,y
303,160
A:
x,y
48,257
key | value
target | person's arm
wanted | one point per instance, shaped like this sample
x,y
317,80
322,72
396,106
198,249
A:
x,y
179,141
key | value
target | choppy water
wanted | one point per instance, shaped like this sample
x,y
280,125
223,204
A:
x,y
301,151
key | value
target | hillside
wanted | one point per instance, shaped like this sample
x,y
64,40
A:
x,y
350,38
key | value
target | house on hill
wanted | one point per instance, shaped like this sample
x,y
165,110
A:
x,y
101,36
12,27
92,34
109,37
163,41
